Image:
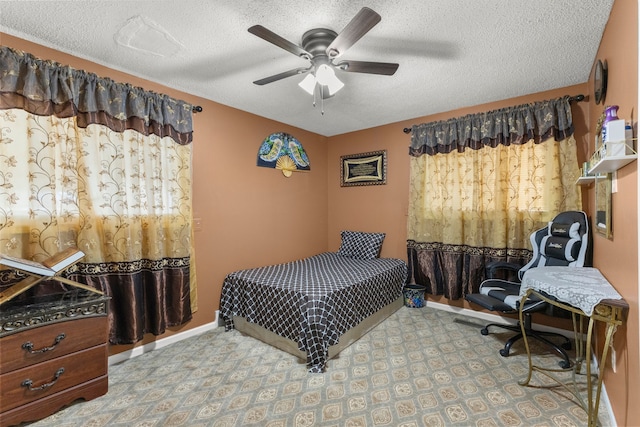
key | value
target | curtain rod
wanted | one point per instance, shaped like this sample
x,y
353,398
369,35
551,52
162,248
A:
x,y
196,109
576,98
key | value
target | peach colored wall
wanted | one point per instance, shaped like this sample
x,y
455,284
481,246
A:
x,y
617,258
250,215
371,208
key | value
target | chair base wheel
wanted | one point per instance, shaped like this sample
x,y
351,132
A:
x,y
565,363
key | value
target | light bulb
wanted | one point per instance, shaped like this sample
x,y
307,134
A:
x,y
308,83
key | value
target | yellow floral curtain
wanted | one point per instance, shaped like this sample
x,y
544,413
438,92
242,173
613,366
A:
x,y
481,184
106,167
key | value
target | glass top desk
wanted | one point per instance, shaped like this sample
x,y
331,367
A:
x,y
587,294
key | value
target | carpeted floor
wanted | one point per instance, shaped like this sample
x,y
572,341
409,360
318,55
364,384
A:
x,y
420,367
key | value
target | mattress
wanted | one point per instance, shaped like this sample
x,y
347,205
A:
x,y
312,301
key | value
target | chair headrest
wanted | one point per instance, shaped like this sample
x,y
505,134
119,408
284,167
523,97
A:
x,y
561,245
563,242
564,230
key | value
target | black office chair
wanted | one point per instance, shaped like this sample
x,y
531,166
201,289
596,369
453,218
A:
x,y
564,242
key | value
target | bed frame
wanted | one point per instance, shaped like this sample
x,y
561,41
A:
x,y
352,335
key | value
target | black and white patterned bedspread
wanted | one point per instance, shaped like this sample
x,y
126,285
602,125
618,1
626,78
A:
x,y
312,301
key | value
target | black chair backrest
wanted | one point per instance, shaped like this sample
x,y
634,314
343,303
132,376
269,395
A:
x,y
563,242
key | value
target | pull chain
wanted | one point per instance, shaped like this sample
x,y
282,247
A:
x,y
318,88
314,96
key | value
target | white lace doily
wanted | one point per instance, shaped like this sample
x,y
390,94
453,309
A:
x,y
581,287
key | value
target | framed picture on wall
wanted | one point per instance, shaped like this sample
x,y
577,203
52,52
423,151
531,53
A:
x,y
363,169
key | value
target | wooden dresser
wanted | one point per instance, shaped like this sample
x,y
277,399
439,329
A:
x,y
53,351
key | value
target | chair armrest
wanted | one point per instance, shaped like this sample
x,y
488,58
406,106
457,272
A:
x,y
494,266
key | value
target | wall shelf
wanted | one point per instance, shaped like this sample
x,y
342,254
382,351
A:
x,y
611,163
589,179
584,180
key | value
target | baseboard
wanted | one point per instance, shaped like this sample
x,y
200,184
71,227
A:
x,y
138,351
491,318
494,318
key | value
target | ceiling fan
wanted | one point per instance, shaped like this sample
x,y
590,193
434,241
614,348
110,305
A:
x,y
322,47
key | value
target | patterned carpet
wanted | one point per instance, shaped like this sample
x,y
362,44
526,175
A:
x,y
420,367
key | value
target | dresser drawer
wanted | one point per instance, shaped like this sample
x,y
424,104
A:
x,y
51,376
52,340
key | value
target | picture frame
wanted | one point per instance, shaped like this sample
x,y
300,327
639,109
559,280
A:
x,y
363,169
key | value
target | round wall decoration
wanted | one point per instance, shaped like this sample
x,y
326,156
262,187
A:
x,y
600,81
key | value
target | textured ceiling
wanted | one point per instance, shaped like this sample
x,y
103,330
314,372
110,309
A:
x,y
452,53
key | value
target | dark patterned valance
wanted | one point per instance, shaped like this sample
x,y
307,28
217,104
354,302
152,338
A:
x,y
513,125
48,88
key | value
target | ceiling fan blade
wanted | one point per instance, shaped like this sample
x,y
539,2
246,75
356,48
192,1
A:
x,y
385,68
281,76
285,44
364,20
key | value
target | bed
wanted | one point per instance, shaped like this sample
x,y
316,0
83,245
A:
x,y
316,306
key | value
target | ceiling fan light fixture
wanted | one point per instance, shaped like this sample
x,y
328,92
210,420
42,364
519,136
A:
x,y
324,77
325,74
308,84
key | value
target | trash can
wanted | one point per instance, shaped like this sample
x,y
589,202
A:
x,y
414,295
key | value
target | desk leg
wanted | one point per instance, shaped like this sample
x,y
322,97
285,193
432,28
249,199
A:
x,y
524,339
584,353
593,418
610,330
583,350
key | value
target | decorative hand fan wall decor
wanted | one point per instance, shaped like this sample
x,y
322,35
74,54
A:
x,y
322,47
284,152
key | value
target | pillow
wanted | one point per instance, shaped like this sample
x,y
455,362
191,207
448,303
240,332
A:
x,y
564,230
360,245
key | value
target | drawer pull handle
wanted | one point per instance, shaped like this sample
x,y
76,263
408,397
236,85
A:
x,y
29,345
28,383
